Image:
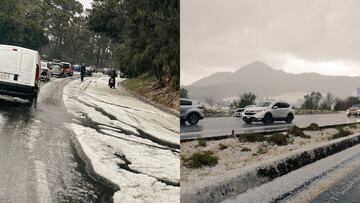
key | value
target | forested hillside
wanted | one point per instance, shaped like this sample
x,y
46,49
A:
x,y
146,35
56,28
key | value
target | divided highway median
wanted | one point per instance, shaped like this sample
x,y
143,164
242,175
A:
x,y
246,162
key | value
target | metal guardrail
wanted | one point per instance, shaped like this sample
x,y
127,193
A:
x,y
216,135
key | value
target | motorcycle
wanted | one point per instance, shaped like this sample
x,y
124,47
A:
x,y
112,82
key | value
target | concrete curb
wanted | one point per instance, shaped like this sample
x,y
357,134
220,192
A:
x,y
144,99
241,182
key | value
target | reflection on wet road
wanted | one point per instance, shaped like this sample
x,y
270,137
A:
x,y
347,190
38,158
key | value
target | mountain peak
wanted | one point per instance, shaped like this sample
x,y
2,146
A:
x,y
255,67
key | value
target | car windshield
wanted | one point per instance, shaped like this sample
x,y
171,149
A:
x,y
263,104
66,65
55,66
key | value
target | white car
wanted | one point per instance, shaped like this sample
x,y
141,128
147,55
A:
x,y
45,72
20,73
268,112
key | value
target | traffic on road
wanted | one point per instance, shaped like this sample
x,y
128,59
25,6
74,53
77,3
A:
x,y
220,126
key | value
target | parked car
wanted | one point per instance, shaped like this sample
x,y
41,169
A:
x,y
268,112
68,70
56,69
20,73
239,111
93,69
353,111
76,68
190,111
105,71
89,71
45,74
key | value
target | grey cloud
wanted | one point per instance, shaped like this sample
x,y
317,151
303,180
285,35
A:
x,y
232,33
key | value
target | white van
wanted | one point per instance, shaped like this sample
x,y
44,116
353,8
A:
x,y
20,72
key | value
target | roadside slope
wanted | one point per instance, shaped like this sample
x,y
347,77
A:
x,y
143,87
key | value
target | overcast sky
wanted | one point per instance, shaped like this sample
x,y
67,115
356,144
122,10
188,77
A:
x,y
86,3
297,36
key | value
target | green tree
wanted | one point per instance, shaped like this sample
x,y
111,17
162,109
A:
x,y
343,104
16,28
147,34
184,93
245,100
328,102
312,100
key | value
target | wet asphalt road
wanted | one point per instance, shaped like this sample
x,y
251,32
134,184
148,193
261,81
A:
x,y
38,158
345,191
212,127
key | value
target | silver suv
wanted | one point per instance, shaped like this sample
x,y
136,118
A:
x,y
190,111
268,112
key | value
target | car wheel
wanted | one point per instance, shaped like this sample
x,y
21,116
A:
x,y
193,119
182,121
33,102
248,121
268,119
289,118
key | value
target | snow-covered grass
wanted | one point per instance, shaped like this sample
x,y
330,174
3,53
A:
x,y
237,156
132,144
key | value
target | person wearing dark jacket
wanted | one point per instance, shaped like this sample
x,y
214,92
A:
x,y
112,80
82,72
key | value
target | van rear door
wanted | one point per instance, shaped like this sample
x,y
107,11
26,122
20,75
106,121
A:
x,y
27,68
9,63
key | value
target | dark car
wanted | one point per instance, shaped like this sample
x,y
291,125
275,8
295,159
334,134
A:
x,y
354,110
76,68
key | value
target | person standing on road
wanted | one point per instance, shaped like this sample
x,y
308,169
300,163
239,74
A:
x,y
82,72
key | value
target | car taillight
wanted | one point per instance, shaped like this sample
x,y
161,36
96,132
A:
x,y
37,75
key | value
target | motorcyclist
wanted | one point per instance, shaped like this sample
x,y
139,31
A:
x,y
112,75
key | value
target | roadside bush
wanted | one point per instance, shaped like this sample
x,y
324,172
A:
x,y
352,126
297,132
279,139
245,149
222,146
200,159
313,127
201,142
253,137
342,133
261,150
